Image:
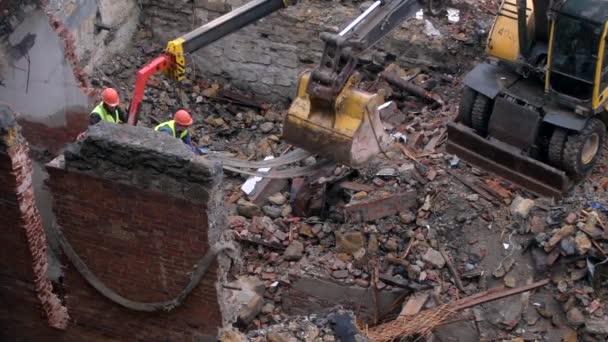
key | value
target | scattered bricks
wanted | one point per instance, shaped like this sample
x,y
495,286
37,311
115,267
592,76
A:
x,y
378,208
434,257
294,251
521,206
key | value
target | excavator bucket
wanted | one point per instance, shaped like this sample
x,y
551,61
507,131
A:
x,y
348,131
506,161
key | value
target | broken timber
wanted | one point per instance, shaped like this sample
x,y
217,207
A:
x,y
424,322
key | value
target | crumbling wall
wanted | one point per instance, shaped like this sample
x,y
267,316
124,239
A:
x,y
98,28
267,57
140,212
28,305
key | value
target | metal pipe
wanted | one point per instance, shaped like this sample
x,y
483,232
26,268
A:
x,y
361,17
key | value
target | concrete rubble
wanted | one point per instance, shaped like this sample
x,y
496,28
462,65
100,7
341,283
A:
x,y
374,240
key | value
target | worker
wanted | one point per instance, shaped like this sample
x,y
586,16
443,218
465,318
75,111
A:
x,y
178,127
107,109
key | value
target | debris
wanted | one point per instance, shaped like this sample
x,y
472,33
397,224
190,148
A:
x,y
566,230
575,317
250,298
452,269
272,211
430,30
471,184
343,327
597,326
497,189
571,218
407,218
414,304
453,15
256,241
341,274
537,225
281,337
426,321
398,261
294,251
472,197
359,195
431,175
505,266
248,209
349,242
266,127
568,245
391,245
434,257
583,243
356,186
510,281
231,335
378,208
394,80
277,199
521,206
386,172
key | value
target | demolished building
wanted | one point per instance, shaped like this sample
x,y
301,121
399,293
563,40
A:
x,y
126,235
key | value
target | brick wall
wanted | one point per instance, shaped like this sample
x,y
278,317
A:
x,y
28,303
54,138
136,208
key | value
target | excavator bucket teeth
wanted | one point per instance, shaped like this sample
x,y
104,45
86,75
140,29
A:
x,y
348,131
506,161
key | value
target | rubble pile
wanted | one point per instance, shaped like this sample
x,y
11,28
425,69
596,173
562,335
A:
x,y
417,220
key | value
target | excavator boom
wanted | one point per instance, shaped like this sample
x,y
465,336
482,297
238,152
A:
x,y
172,61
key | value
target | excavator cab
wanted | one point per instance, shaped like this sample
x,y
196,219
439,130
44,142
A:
x,y
535,113
330,116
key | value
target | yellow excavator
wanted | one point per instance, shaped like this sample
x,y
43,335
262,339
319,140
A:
x,y
535,112
330,116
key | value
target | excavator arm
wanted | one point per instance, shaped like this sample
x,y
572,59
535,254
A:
x,y
330,116
172,61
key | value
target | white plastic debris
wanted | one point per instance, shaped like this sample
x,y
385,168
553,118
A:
x,y
506,245
249,185
453,15
400,137
420,15
385,105
430,30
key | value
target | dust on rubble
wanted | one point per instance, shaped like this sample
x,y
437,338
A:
x,y
344,226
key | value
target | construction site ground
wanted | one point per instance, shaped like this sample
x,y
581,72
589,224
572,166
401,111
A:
x,y
336,227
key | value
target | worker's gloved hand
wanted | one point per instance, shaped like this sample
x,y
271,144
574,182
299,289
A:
x,y
81,136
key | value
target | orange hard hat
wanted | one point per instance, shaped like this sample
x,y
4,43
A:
x,y
110,97
183,118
